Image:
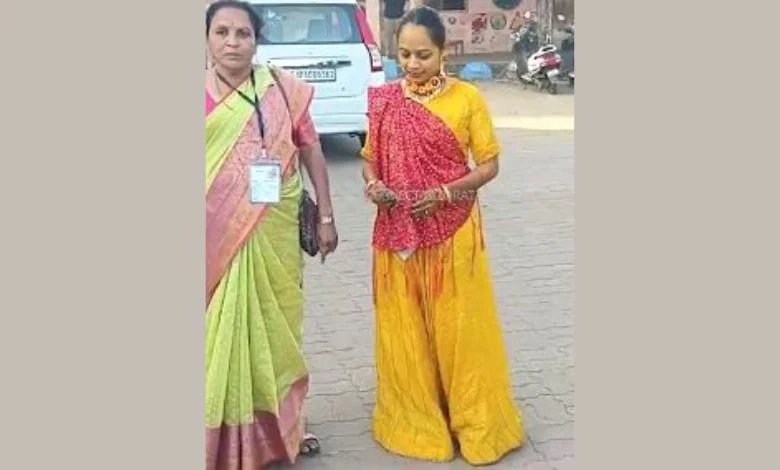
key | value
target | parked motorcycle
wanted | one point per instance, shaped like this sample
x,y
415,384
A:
x,y
533,63
544,68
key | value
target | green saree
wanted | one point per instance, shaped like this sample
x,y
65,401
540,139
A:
x,y
256,373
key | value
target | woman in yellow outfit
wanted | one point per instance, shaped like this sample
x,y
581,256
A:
x,y
443,376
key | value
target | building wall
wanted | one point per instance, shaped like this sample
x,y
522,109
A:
x,y
483,27
565,8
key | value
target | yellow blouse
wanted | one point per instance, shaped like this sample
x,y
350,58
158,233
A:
x,y
464,110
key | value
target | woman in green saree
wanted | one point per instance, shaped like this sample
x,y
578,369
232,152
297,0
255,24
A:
x,y
258,130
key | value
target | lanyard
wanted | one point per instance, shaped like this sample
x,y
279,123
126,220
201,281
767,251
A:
x,y
254,102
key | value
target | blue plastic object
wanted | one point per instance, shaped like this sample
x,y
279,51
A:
x,y
391,69
475,71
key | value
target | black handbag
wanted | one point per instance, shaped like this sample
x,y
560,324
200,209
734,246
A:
x,y
308,212
307,220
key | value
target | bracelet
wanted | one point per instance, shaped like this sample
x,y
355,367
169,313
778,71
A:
x,y
371,184
326,220
368,187
447,194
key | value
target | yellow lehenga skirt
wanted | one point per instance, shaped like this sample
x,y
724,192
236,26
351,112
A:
x,y
443,375
443,379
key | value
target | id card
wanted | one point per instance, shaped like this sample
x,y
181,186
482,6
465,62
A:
x,y
265,182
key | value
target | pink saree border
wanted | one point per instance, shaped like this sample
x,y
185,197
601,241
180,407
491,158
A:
x,y
267,439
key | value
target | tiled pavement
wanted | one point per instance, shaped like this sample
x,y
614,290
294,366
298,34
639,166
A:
x,y
529,212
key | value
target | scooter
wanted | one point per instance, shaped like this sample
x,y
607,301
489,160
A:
x,y
544,68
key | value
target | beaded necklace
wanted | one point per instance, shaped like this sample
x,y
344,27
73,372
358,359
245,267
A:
x,y
426,91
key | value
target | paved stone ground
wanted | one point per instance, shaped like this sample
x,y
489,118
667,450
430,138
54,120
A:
x,y
529,212
507,98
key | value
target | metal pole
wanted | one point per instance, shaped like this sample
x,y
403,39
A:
x,y
548,20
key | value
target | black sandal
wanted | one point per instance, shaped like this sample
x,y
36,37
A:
x,y
310,445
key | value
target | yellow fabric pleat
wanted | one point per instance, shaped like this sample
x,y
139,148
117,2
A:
x,y
441,361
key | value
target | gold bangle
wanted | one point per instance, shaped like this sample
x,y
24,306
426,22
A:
x,y
371,184
326,220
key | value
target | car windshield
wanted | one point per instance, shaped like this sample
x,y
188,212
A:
x,y
308,24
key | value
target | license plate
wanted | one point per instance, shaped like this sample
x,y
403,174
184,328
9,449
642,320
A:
x,y
315,75
553,73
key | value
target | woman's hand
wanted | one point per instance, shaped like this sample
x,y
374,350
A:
x,y
327,239
314,161
430,202
380,195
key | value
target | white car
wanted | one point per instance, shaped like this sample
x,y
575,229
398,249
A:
x,y
329,44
